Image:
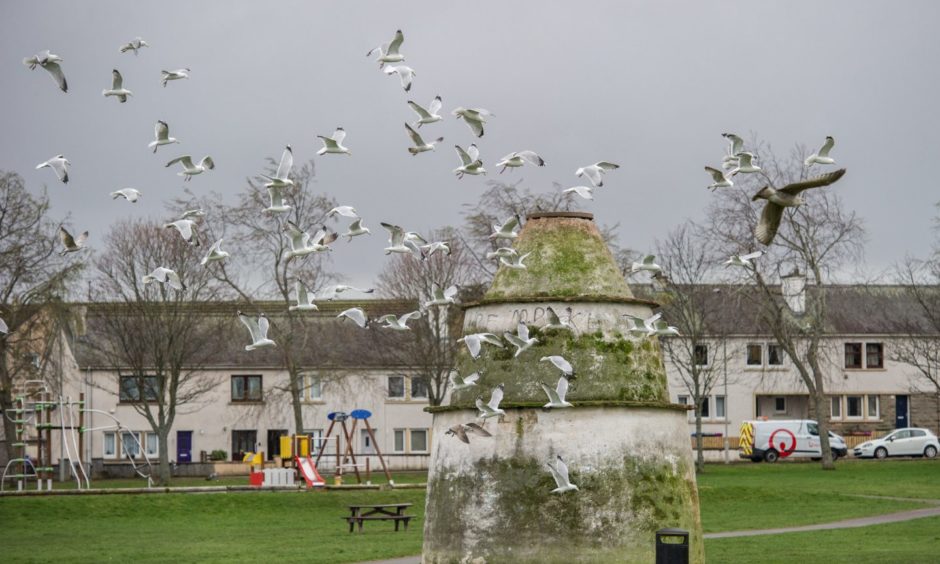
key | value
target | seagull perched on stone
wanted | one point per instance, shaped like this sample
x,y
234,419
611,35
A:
x,y
60,165
397,323
595,172
420,145
258,328
501,252
405,74
560,473
356,314
822,155
429,115
463,383
389,52
186,228
276,202
647,263
788,196
441,297
166,276
190,169
334,144
560,363
744,260
177,74
303,297
281,178
302,244
720,180
330,293
215,254
462,430
585,192
519,158
474,342
161,133
474,117
129,194
745,164
71,244
50,63
345,211
556,397
555,322
507,229
117,87
515,263
134,45
355,229
470,162
520,339
491,409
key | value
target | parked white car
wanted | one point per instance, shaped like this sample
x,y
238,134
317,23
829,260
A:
x,y
902,442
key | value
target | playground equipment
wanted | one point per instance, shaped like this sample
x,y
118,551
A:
x,y
348,457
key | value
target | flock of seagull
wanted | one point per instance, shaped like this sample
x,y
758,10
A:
x,y
737,160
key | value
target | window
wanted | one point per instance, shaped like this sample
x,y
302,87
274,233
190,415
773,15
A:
x,y
130,444
399,440
110,446
873,355
313,388
419,387
684,400
917,433
853,355
704,408
367,446
835,407
152,444
853,406
316,439
138,388
396,387
246,388
720,407
242,442
873,411
812,429
419,440
774,355
700,355
754,355
780,404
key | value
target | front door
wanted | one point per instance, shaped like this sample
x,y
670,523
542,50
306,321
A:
x,y
901,412
274,442
184,446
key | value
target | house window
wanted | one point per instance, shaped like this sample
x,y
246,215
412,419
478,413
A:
x,y
110,445
835,407
720,407
700,355
396,387
137,388
130,444
246,388
684,400
873,411
754,356
152,444
703,405
316,439
853,355
399,440
853,407
419,387
873,355
780,404
419,440
774,355
313,387
242,442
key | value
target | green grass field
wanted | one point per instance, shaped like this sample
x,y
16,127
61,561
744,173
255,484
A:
x,y
306,526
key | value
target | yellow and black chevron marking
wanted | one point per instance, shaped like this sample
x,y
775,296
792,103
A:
x,y
747,437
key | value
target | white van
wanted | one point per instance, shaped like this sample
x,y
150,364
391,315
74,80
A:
x,y
772,440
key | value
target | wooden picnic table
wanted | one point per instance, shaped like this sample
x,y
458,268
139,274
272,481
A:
x,y
381,512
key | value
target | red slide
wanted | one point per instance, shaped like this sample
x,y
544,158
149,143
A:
x,y
309,471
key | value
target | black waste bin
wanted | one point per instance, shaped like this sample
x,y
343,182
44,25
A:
x,y
672,546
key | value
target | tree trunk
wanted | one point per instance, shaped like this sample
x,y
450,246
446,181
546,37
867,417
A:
x,y
822,419
699,440
296,399
163,467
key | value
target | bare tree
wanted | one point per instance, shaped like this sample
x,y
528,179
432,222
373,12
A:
x,y
817,238
151,334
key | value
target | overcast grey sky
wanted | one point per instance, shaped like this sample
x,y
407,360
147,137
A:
x,y
648,85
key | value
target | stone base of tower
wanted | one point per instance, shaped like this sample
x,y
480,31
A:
x,y
491,501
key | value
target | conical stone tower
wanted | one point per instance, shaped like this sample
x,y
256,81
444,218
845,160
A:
x,y
627,448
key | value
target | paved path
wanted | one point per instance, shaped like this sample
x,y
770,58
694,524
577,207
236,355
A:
x,y
405,560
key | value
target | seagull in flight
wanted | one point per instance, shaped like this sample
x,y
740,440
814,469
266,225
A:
x,y
441,297
134,45
822,155
356,314
304,298
276,200
71,244
166,276
355,229
555,322
520,339
186,228
281,178
258,328
515,263
129,194
301,244
491,409
334,144
405,74
561,364
507,252
663,329
396,323
161,133
401,241
50,63
429,115
507,230
556,397
788,196
474,118
389,52
560,473
190,169
519,158
470,162
177,74
744,261
585,192
345,211
745,164
463,383
720,180
462,430
643,327
474,342
420,145
188,214
60,165
215,254
648,263
735,147
331,292
595,172
117,87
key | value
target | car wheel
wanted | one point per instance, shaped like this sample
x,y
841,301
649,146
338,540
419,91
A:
x,y
881,453
835,456
771,456
930,451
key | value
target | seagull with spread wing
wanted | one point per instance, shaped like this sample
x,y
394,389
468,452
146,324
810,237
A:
x,y
473,117
281,178
165,276
555,321
560,474
507,229
50,63
134,45
186,229
405,74
71,244
303,297
190,169
389,52
585,192
744,261
420,145
520,339
647,263
161,133
334,145
463,430
822,155
556,397
519,158
560,363
491,409
720,180
178,74
441,297
474,342
463,383
60,165
786,197
258,328
330,293
595,172
515,263
470,162
215,254
117,87
745,164
129,194
302,244
396,323
429,115
356,315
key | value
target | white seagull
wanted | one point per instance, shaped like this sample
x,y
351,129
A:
x,y
71,244
462,430
420,145
506,230
491,409
643,327
345,211
441,297
663,329
281,177
129,194
134,45
50,63
474,342
720,180
428,250
397,323
405,74
585,192
166,276
331,292
556,397
60,165
475,118
470,162
520,339
161,132
304,298
258,330
186,228
788,196
647,263
302,244
276,202
190,169
735,146
193,213
745,164
463,383
595,172
389,52
560,473
555,322
560,363
519,158
215,254
398,242
334,144
355,229
117,87
507,252
429,115
744,260
515,263
355,314
177,74
822,155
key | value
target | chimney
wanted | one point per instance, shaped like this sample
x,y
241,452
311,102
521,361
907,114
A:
x,y
793,288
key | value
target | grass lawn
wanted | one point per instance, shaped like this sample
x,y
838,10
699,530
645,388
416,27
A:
x,y
349,479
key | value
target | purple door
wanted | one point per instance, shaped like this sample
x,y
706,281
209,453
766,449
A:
x,y
184,446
